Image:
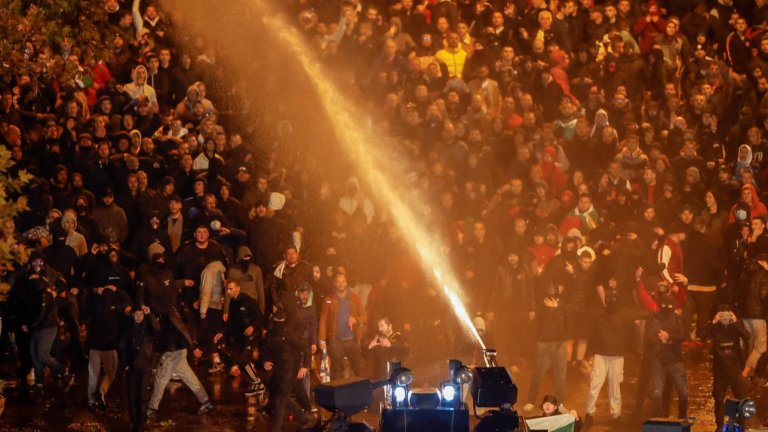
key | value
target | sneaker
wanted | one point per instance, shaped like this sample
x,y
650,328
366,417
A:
x,y
151,414
217,367
205,407
528,407
255,389
93,406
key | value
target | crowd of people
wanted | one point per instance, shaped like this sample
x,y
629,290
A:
x,y
596,170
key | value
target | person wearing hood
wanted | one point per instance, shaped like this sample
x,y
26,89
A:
x,y
551,351
743,161
139,88
750,199
63,258
727,333
42,320
211,305
113,224
156,290
608,345
663,346
74,239
106,310
239,336
306,314
288,355
249,276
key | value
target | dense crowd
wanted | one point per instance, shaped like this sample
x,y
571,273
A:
x,y
597,170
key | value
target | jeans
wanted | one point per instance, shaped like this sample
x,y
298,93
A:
x,y
96,361
611,367
337,350
757,343
675,372
554,355
40,348
175,362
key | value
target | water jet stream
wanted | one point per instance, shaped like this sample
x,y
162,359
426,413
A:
x,y
368,161
353,139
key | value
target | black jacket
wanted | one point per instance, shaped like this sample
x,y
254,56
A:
x,y
702,265
755,285
106,313
672,351
610,335
726,342
139,342
243,313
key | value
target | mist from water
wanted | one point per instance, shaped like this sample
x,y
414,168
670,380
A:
x,y
255,36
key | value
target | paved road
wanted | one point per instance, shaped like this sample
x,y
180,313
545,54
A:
x,y
54,411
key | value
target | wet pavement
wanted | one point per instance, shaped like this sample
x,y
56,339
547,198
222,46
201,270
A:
x,y
53,411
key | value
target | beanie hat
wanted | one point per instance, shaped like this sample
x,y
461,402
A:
x,y
155,249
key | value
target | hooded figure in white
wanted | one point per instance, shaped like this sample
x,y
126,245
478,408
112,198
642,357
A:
x,y
744,160
139,86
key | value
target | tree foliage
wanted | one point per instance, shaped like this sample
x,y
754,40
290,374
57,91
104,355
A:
x,y
12,202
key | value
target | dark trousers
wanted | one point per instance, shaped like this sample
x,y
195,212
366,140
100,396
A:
x,y
284,385
337,350
69,312
727,376
239,349
675,373
702,304
135,384
23,341
209,327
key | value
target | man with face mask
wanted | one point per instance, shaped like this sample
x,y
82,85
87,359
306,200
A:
x,y
664,336
550,346
155,289
139,345
727,334
608,346
41,320
107,306
248,275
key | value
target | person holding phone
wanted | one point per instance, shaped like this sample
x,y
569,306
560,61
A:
x,y
727,332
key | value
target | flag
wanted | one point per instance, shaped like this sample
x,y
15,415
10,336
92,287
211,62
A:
x,y
556,423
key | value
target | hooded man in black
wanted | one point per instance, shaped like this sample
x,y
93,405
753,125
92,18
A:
x,y
41,320
139,344
287,354
727,333
155,288
664,337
